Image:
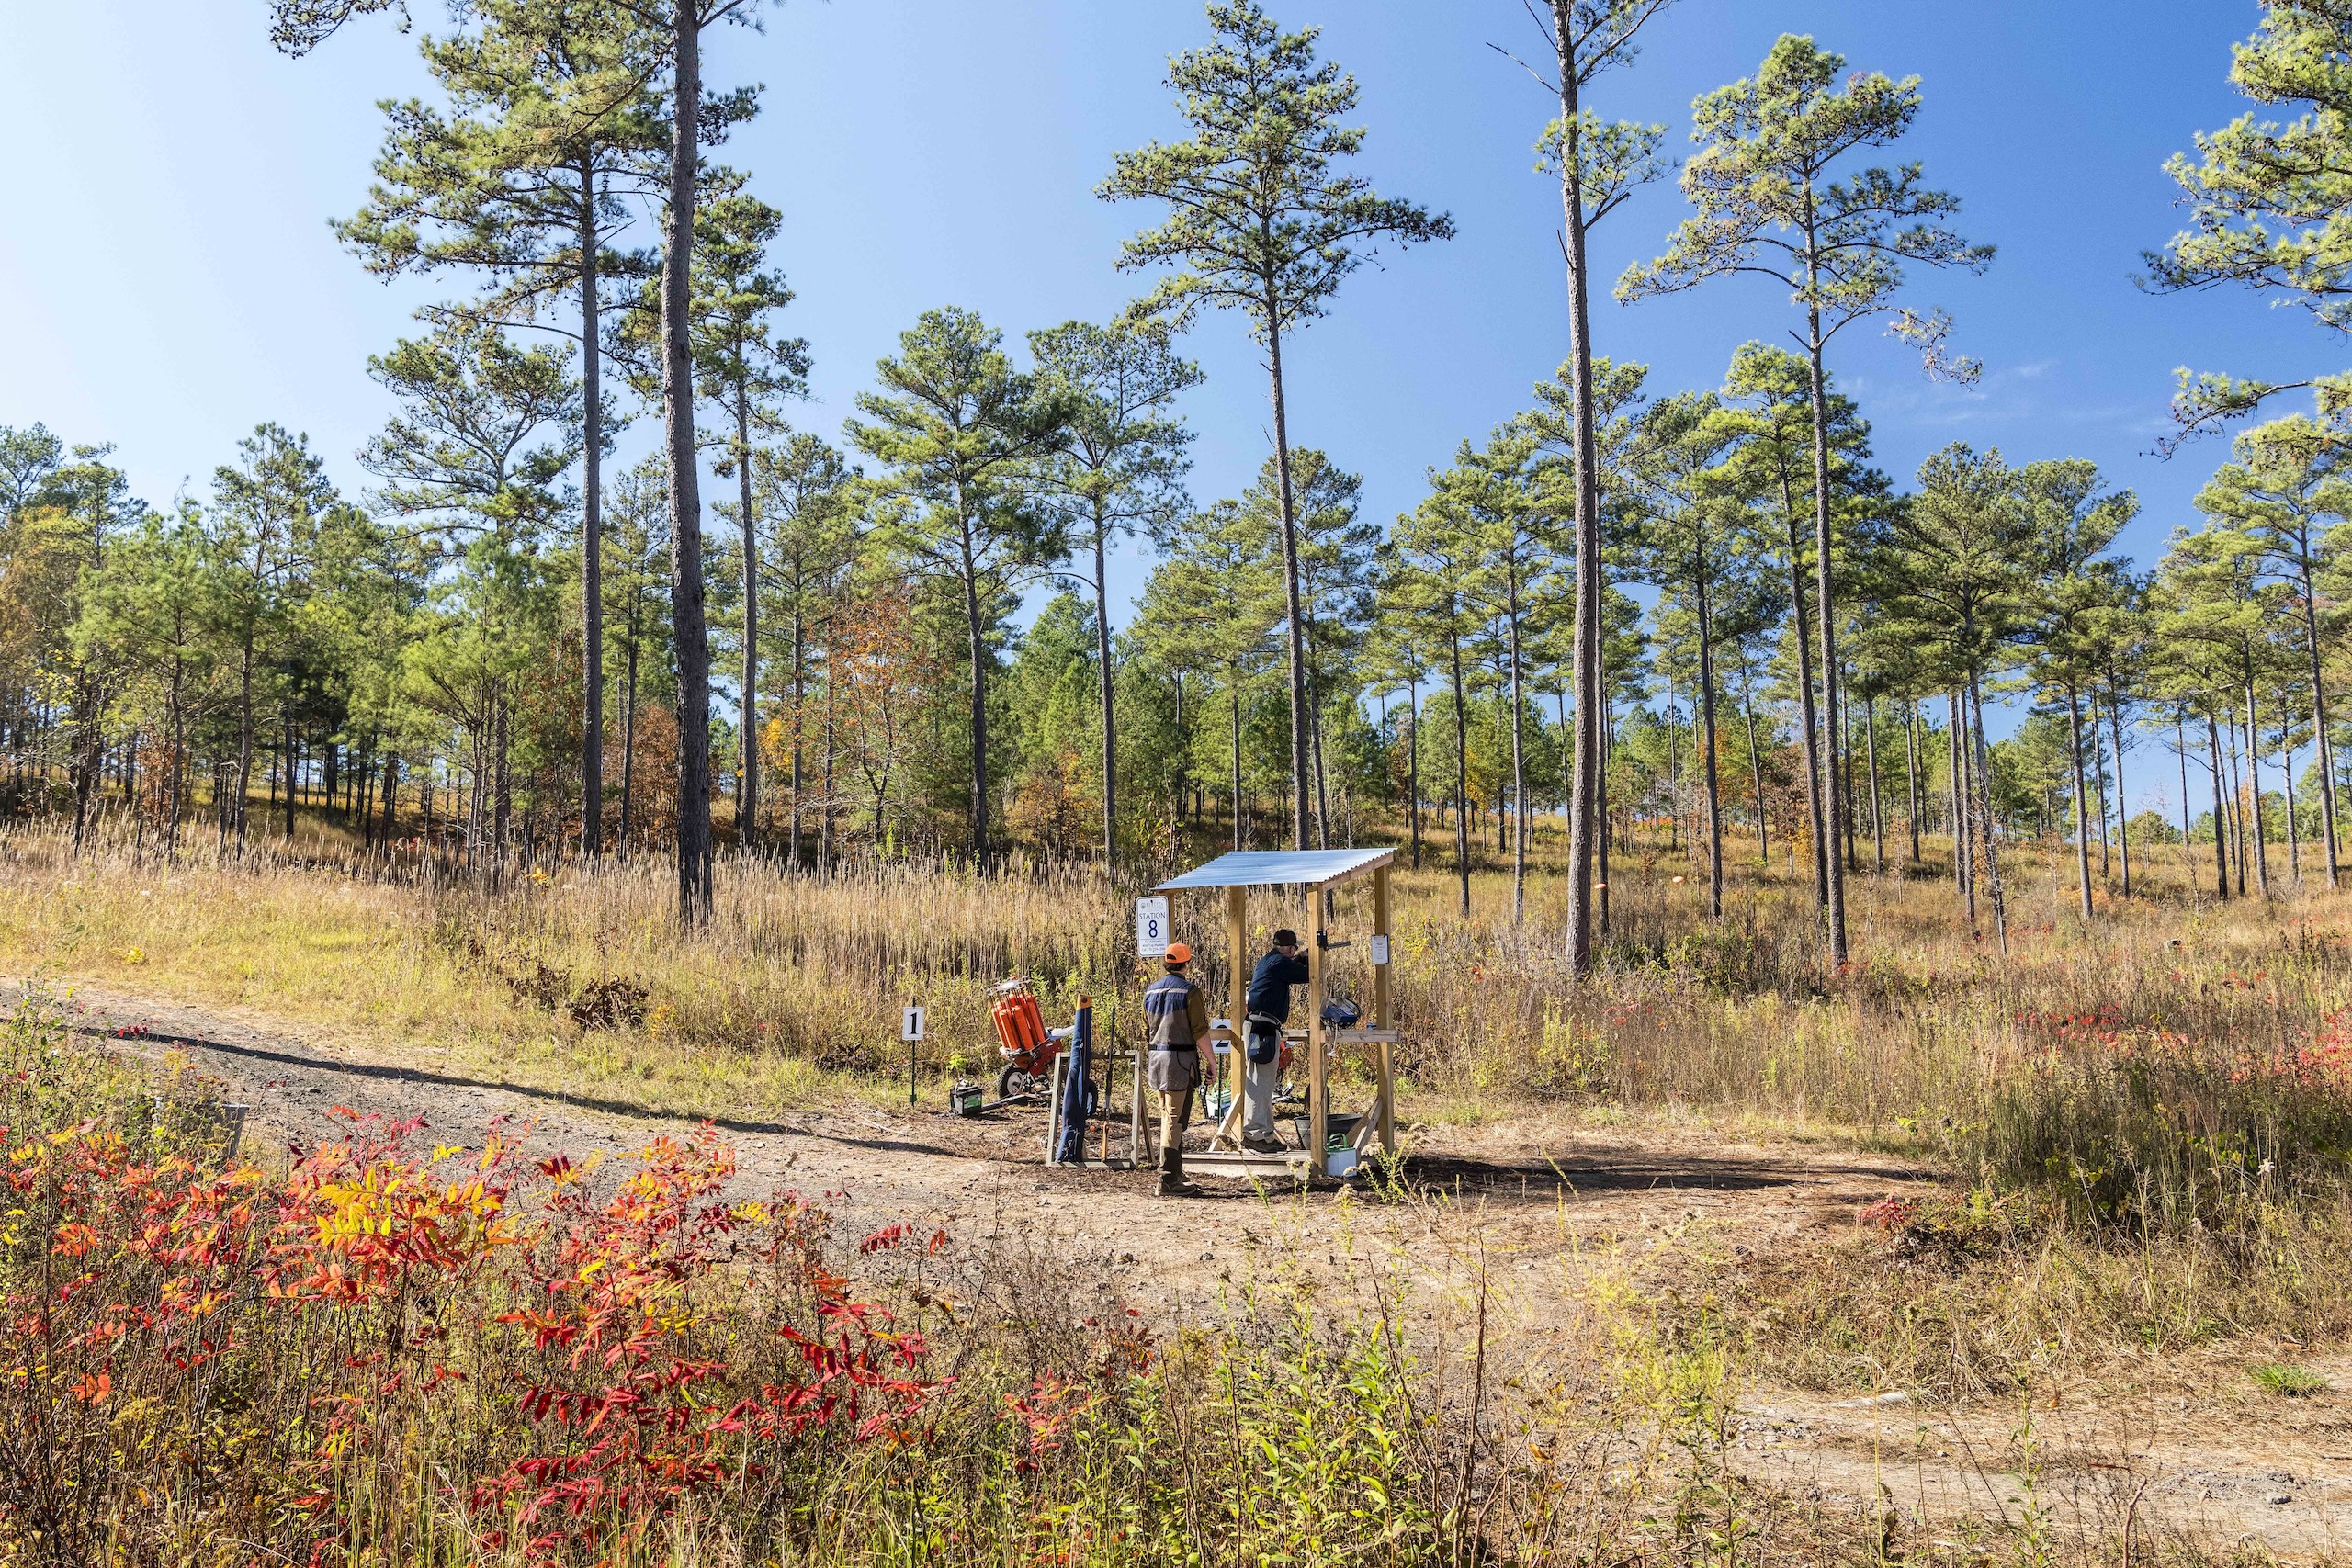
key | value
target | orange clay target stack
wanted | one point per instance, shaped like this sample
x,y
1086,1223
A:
x,y
1028,1051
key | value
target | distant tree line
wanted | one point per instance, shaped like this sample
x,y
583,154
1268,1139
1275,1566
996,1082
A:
x,y
1703,608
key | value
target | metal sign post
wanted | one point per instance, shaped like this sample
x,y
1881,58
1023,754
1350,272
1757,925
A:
x,y
1151,926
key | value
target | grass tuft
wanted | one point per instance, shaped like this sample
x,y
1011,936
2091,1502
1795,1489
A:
x,y
2287,1382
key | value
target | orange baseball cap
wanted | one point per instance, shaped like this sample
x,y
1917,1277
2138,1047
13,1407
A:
x,y
1179,954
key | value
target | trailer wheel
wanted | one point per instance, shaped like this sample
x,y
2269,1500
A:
x,y
1012,1080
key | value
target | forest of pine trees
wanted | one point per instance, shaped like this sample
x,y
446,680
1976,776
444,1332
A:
x,y
1707,608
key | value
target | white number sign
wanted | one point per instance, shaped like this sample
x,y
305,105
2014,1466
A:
x,y
910,1026
1151,926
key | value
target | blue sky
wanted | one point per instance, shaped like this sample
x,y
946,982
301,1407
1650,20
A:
x,y
170,278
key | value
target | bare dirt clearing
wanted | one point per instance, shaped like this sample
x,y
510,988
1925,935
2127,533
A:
x,y
1537,1204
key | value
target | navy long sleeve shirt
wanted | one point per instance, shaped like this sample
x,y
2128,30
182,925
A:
x,y
1271,982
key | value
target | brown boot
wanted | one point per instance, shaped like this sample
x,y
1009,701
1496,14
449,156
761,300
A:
x,y
1171,1175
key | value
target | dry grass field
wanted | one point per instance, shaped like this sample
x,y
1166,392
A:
x,y
1951,1257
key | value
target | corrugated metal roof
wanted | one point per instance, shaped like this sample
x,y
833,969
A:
x,y
1267,868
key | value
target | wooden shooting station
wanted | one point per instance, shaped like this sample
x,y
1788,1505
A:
x,y
1313,873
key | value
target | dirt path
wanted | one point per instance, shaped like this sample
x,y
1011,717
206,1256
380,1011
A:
x,y
1528,1200
1534,1191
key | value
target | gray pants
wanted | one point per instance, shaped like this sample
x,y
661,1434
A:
x,y
1259,1082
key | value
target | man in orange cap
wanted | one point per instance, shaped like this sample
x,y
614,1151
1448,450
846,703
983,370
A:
x,y
1177,1015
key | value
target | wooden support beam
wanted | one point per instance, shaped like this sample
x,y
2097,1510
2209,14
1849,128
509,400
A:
x,y
1227,1132
1381,1022
1237,947
1318,1112
1290,1163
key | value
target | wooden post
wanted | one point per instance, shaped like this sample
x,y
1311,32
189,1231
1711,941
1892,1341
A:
x,y
1319,1133
1236,945
1387,1061
1136,1136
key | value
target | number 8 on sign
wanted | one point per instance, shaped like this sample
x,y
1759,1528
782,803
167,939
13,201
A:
x,y
1151,926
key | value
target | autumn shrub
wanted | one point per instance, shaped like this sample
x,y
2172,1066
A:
x,y
390,1354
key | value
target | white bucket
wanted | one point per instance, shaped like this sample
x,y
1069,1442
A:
x,y
1340,1162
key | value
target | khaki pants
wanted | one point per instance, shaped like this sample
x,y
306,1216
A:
x,y
1175,1115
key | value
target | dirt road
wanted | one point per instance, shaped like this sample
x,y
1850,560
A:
x,y
1529,1202
1534,1191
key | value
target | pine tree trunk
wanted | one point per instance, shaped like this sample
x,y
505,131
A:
x,y
975,648
747,743
1755,765
2082,802
1600,789
1853,800
2294,834
244,739
2253,776
2098,783
1586,794
824,786
1233,691
2237,805
2319,721
1673,777
799,694
689,627
1106,690
1182,752
1314,735
1518,774
391,795
1962,873
1913,803
1707,746
286,721
1834,907
832,748
1413,762
592,531
1808,718
1461,773
628,737
502,806
1292,614
1984,770
2221,817
1878,796
2122,823
179,776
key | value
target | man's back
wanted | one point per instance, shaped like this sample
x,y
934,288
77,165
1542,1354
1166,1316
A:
x,y
1271,982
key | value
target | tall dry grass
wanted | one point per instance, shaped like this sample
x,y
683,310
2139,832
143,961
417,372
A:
x,y
2172,1061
